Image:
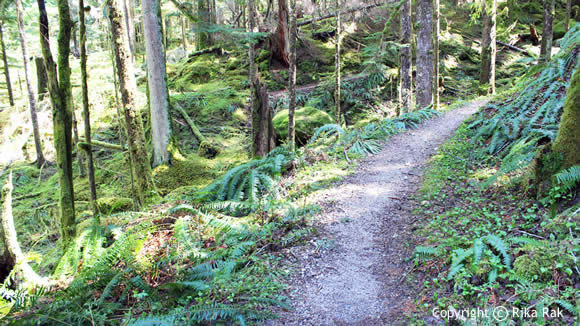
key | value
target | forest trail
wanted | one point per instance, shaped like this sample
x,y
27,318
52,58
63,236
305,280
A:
x,y
355,274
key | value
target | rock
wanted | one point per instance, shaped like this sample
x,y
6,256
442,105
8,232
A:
x,y
308,119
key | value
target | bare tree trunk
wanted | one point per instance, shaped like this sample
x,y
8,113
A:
x,y
41,78
547,30
292,78
165,30
61,99
80,154
424,53
488,49
281,46
405,64
86,109
31,96
157,81
10,240
128,87
128,28
436,32
6,70
183,34
338,80
204,38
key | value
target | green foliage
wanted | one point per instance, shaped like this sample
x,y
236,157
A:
x,y
568,178
482,248
307,120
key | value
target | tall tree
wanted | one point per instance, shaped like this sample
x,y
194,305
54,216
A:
x,y
141,170
86,110
405,67
41,78
292,78
337,81
157,81
547,30
61,99
31,96
183,34
424,53
204,38
568,13
281,48
436,32
488,49
6,69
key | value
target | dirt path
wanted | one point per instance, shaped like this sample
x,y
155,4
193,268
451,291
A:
x,y
355,274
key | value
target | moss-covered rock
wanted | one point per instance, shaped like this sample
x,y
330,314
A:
x,y
207,149
539,262
108,205
308,119
193,171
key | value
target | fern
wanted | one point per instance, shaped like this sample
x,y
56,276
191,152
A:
x,y
568,178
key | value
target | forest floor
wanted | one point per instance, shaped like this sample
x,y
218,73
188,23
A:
x,y
354,272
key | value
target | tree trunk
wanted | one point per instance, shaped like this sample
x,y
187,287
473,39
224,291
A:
x,y
128,27
10,240
183,35
187,12
166,30
424,53
436,32
86,109
31,96
204,38
547,30
141,171
292,78
61,98
157,81
80,154
41,78
337,95
6,70
75,43
568,134
262,126
488,50
405,64
281,47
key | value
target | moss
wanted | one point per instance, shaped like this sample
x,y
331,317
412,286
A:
x,y
567,142
194,170
108,205
207,149
539,262
308,119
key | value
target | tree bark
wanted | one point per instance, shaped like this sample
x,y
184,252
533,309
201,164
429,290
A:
x,y
187,12
183,35
61,99
31,96
436,32
568,13
128,27
41,78
281,48
547,30
262,126
405,64
80,154
10,240
157,81
424,53
86,109
488,49
337,95
292,78
6,70
568,134
141,170
204,38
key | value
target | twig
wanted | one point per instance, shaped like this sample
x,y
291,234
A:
x,y
532,235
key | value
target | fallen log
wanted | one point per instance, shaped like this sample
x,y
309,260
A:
x,y
84,145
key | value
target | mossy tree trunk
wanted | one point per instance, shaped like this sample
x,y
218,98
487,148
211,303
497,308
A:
x,y
9,237
79,153
27,74
292,78
568,140
488,49
568,13
436,32
141,170
86,109
424,53
6,70
337,66
157,80
204,38
128,27
547,30
183,34
41,78
61,99
405,67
